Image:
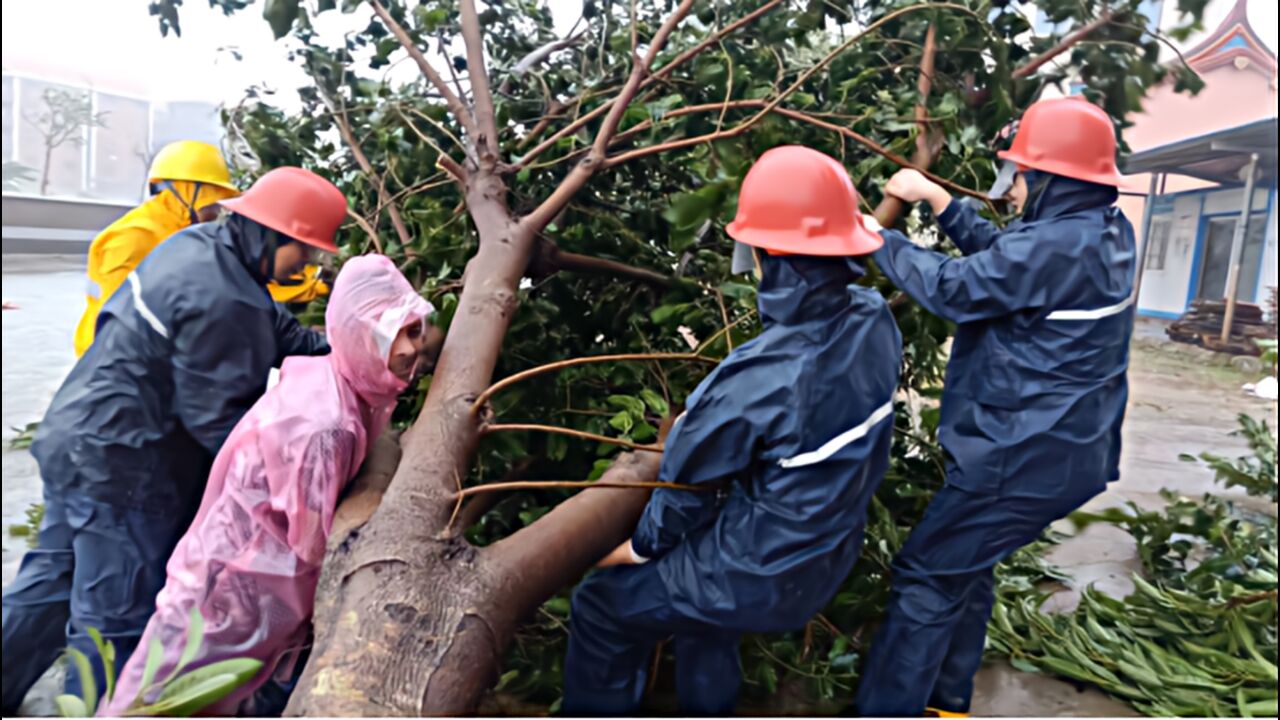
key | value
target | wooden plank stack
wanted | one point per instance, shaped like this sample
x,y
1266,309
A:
x,y
1202,325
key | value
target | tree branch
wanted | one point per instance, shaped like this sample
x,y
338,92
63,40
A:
x,y
580,434
486,123
891,208
796,115
506,382
578,177
379,185
773,104
459,110
540,484
548,259
536,56
657,75
1066,44
467,515
368,228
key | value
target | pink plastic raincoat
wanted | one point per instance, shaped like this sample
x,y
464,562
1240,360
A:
x,y
252,557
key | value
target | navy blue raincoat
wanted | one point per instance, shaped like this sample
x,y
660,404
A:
x,y
1035,387
792,432
795,427
182,351
1031,415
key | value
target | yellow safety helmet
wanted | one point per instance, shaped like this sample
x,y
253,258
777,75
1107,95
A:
x,y
192,161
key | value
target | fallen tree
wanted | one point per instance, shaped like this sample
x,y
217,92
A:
x,y
601,165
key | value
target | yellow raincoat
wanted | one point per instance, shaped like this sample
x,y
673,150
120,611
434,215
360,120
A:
x,y
300,288
125,243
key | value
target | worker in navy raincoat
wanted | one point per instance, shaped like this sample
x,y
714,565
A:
x,y
1035,391
789,437
179,355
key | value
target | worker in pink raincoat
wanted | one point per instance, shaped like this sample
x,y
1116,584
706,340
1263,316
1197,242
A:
x,y
251,560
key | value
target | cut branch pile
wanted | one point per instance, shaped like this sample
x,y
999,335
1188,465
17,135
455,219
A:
x,y
1202,325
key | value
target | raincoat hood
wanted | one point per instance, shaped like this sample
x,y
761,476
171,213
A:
x,y
252,242
371,301
1050,196
794,288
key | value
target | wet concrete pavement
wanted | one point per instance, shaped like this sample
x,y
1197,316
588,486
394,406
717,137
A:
x,y
1178,404
38,354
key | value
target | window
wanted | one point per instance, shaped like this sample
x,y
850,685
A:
x,y
1158,243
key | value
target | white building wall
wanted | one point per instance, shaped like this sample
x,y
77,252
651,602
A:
x,y
1165,289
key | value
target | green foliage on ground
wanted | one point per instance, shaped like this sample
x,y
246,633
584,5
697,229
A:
x,y
1197,637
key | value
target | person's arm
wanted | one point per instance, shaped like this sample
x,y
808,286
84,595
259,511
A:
x,y
710,446
969,231
313,487
294,339
219,366
1009,276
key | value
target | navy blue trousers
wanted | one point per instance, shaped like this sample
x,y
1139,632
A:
x,y
96,566
930,646
619,616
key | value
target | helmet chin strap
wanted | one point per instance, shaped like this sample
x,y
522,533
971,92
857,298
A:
x,y
192,214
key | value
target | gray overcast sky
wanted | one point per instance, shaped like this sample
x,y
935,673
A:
x,y
116,45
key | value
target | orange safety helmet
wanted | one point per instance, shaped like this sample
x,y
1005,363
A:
x,y
297,203
798,201
1068,136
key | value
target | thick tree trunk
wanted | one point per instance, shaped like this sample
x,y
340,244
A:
x,y
410,618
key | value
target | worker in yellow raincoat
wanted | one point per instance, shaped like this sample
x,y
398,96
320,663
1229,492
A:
x,y
188,179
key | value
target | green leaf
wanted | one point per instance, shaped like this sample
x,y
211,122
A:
x,y
71,706
634,406
663,313
622,422
195,637
202,687
660,108
688,210
107,652
280,15
506,679
155,654
656,402
1023,665
88,684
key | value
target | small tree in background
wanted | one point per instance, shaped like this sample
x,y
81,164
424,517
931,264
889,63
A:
x,y
66,116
